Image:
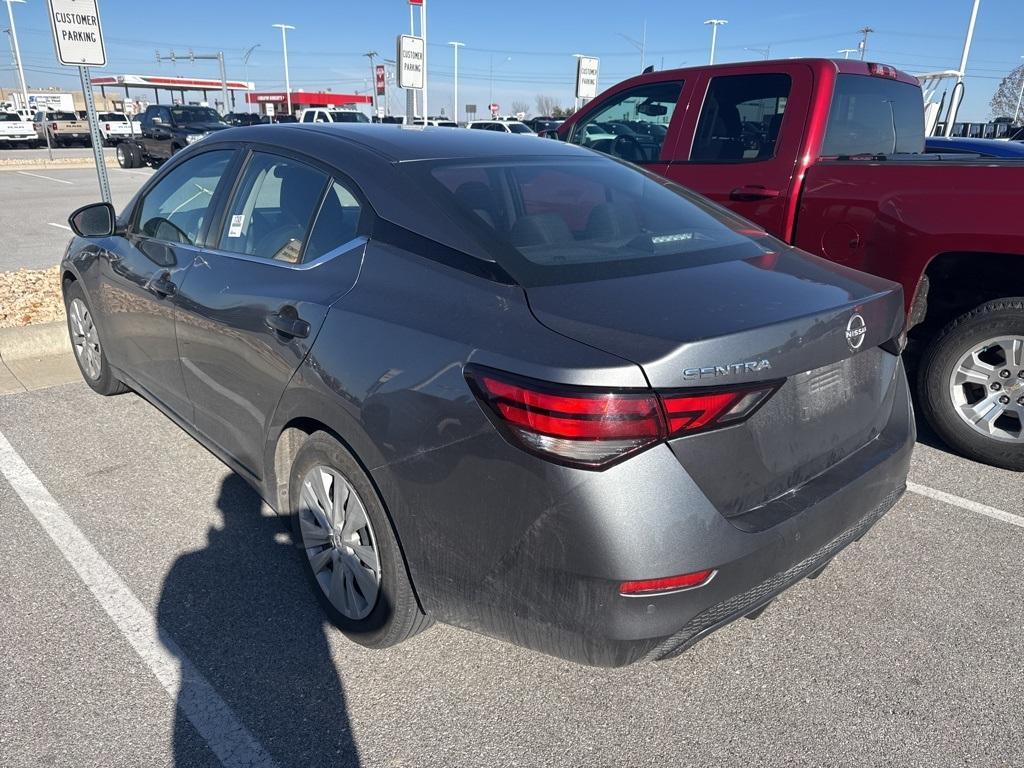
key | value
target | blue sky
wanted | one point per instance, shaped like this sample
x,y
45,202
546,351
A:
x,y
531,42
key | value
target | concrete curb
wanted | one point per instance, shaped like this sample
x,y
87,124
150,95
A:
x,y
33,341
55,164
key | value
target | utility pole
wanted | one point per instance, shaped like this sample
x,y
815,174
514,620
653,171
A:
x,y
455,90
640,45
284,47
863,46
17,52
715,24
1020,96
846,52
766,51
373,81
245,70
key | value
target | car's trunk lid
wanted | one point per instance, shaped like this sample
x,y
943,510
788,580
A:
x,y
815,326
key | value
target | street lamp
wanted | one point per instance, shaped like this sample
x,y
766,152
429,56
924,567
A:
x,y
455,90
766,51
715,24
17,52
245,70
503,61
1020,96
846,52
640,45
284,45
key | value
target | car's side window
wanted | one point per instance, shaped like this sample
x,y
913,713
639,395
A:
x,y
273,209
632,124
741,118
176,208
336,223
307,116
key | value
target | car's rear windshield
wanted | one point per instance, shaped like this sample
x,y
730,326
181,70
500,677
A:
x,y
62,116
874,116
562,220
349,117
113,117
189,115
10,117
519,128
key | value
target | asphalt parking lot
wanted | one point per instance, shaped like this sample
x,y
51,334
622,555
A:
x,y
138,573
37,224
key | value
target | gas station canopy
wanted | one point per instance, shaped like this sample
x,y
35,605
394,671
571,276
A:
x,y
166,83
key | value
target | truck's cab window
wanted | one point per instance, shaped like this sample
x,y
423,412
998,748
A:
x,y
632,124
741,118
875,116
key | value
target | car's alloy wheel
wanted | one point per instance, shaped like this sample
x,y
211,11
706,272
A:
x,y
85,339
987,388
339,541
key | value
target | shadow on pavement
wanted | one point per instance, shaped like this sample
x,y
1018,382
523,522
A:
x,y
241,611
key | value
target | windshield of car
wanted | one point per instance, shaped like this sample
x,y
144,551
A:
x,y
519,128
874,116
190,115
61,116
556,220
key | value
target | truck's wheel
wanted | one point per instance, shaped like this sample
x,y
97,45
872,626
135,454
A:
x,y
971,383
128,155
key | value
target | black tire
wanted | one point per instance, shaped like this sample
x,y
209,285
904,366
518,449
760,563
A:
x,y
396,616
994,319
105,383
128,155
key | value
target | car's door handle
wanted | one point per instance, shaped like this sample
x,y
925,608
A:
x,y
288,323
162,286
753,192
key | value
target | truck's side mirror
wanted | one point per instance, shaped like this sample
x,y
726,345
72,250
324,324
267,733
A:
x,y
158,121
94,220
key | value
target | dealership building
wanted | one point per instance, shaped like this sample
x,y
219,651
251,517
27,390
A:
x,y
276,102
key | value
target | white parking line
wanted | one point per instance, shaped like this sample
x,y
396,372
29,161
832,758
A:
x,y
61,226
229,740
972,506
48,178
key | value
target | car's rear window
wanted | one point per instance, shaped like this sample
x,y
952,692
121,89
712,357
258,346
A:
x,y
874,116
555,220
113,117
62,116
10,117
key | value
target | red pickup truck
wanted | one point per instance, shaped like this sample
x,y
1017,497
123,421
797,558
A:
x,y
829,156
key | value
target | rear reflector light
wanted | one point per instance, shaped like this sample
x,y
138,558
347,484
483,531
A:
x,y
667,585
593,429
883,70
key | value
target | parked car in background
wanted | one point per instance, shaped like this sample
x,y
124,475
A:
x,y
987,148
115,127
439,122
166,130
63,128
16,132
501,126
538,124
243,118
645,420
828,155
332,116
280,117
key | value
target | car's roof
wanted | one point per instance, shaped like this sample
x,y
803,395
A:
x,y
404,143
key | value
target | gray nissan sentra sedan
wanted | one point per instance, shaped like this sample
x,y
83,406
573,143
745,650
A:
x,y
509,385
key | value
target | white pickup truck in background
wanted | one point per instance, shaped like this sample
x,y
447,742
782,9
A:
x,y
14,130
115,127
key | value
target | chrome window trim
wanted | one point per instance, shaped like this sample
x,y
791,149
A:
x,y
360,240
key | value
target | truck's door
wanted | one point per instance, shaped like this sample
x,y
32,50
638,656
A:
x,y
741,147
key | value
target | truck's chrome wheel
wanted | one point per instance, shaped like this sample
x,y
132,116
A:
x,y
85,339
339,542
987,388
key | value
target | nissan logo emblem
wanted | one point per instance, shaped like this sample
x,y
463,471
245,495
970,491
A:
x,y
856,329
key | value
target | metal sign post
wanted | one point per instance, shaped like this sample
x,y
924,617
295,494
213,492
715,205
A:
x,y
78,40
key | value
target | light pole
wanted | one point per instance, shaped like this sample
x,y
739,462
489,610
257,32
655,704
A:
x,y
284,46
640,45
1020,96
846,52
503,61
766,51
715,24
958,89
245,70
373,81
455,89
17,52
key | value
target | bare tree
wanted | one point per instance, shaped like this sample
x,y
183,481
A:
x,y
520,106
546,105
1004,101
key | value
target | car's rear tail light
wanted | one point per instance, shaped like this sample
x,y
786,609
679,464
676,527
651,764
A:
x,y
590,428
107,127
649,587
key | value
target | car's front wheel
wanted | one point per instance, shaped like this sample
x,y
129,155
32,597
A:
x,y
352,555
86,343
971,384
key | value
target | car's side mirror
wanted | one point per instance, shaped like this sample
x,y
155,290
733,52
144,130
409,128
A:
x,y
158,121
94,220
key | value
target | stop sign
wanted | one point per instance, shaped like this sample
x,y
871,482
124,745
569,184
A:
x,y
494,107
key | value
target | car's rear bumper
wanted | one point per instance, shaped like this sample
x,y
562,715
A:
x,y
551,583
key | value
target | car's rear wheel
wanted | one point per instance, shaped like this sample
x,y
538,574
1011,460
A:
x,y
86,343
126,157
971,384
352,554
